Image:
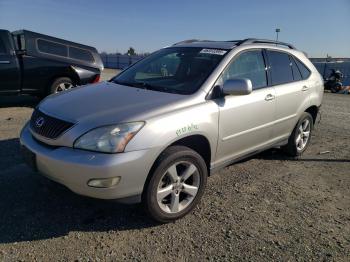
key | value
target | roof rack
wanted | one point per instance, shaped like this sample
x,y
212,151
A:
x,y
192,41
242,42
186,41
262,41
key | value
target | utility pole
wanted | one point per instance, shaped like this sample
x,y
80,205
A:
x,y
277,31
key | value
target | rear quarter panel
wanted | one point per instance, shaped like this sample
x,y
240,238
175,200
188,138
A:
x,y
39,73
315,81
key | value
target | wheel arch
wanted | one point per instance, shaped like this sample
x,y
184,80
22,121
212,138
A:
x,y
199,144
196,142
313,111
68,72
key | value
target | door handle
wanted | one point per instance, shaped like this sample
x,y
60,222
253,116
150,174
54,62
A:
x,y
4,62
305,88
269,97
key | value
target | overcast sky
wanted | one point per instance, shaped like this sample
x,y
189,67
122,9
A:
x,y
318,27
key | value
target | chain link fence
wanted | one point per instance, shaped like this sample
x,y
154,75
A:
x,y
325,66
119,61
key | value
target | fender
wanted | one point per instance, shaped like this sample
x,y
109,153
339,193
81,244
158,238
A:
x,y
162,131
83,74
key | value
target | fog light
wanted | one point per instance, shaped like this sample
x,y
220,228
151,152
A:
x,y
104,182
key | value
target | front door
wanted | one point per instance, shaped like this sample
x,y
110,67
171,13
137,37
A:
x,y
246,121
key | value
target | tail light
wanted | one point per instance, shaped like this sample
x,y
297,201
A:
x,y
96,79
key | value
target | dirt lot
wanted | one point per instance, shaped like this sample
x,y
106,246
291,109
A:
x,y
266,208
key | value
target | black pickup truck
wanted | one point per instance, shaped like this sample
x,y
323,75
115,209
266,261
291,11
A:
x,y
37,64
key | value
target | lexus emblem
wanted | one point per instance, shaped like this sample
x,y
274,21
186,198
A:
x,y
39,122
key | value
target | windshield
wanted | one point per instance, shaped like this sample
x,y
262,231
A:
x,y
180,70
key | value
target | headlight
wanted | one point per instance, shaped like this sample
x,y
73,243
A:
x,y
109,139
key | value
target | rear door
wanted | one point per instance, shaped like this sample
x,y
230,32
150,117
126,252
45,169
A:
x,y
292,91
10,78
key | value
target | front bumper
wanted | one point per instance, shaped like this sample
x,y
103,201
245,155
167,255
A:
x,y
74,168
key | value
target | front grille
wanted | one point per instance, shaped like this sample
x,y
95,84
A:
x,y
48,126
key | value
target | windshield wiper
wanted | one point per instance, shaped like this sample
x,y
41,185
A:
x,y
123,83
147,86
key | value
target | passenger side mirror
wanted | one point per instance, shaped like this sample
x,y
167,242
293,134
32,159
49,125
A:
x,y
237,87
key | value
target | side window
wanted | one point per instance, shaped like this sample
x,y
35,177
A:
x,y
296,73
305,72
2,47
52,48
248,65
280,67
80,54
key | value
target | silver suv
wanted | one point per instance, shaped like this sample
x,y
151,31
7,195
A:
x,y
155,132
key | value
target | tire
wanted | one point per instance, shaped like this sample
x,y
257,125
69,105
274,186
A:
x,y
165,186
336,87
61,84
297,145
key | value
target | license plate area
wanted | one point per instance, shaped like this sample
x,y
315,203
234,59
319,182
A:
x,y
29,158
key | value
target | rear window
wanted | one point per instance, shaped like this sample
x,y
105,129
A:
x,y
52,48
80,54
281,71
305,72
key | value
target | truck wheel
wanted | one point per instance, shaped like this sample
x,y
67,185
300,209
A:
x,y
176,184
61,84
300,138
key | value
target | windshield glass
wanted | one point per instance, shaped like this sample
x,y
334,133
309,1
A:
x,y
180,70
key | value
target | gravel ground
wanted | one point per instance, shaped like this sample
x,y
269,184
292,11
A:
x,y
266,208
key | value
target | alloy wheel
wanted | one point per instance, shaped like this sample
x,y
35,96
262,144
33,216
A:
x,y
63,87
178,187
303,134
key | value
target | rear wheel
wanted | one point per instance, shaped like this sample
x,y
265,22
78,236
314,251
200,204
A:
x,y
176,185
300,138
61,84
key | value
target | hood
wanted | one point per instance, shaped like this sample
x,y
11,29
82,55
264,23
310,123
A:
x,y
108,103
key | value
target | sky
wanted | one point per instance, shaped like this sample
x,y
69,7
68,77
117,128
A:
x,y
318,27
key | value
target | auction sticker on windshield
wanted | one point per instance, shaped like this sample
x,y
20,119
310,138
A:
x,y
213,51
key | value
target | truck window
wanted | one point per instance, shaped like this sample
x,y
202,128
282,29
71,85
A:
x,y
52,48
2,47
22,42
80,54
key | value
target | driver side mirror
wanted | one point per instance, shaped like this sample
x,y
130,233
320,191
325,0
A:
x,y
237,87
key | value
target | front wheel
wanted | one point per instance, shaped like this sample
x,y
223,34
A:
x,y
176,185
300,138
